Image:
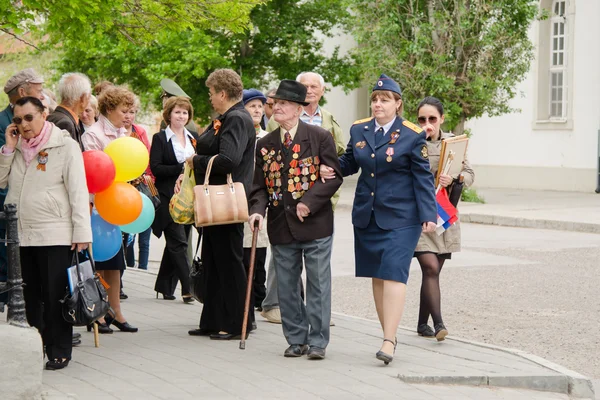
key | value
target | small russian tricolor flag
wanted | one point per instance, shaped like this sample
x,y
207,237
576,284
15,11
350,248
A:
x,y
447,213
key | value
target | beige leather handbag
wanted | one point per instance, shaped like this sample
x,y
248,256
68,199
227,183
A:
x,y
219,204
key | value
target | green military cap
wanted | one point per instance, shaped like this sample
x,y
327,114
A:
x,y
172,89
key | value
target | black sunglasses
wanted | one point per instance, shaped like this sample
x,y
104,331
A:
x,y
432,120
19,120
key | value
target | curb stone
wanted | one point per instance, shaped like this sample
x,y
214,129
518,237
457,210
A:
x,y
501,220
571,382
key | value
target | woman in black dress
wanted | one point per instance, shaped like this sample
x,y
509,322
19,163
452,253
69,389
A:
x,y
232,138
170,148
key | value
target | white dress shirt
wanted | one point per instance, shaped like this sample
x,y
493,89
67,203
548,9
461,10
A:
x,y
181,153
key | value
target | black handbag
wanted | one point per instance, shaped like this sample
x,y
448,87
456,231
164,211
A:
x,y
455,192
198,276
88,300
147,187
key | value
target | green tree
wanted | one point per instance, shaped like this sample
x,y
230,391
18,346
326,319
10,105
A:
x,y
469,53
138,21
285,37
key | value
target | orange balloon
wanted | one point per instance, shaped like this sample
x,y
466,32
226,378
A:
x,y
120,204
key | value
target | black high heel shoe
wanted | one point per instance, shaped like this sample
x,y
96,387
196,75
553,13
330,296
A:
x,y
166,296
385,357
102,328
123,326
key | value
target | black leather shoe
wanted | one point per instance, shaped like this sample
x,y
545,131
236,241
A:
x,y
123,296
187,299
166,296
440,331
200,332
104,328
316,353
253,327
227,336
124,326
425,331
295,350
57,363
76,342
76,335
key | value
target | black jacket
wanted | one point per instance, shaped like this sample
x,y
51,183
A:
x,y
166,170
234,143
63,119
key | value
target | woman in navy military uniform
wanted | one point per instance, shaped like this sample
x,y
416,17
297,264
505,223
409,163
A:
x,y
393,204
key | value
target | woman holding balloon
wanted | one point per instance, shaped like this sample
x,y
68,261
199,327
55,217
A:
x,y
117,204
170,148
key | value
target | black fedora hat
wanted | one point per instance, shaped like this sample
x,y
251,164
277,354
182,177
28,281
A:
x,y
291,91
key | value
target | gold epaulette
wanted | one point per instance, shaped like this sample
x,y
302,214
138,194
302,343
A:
x,y
360,121
412,126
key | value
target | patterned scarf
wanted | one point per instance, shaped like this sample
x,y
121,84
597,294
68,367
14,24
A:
x,y
31,147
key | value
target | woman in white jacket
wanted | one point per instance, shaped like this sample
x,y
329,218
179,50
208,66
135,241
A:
x,y
43,168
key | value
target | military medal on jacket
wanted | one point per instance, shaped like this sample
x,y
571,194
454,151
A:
x,y
42,160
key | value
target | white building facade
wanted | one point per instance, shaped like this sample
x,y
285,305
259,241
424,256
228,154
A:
x,y
552,144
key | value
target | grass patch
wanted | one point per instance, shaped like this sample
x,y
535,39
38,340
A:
x,y
471,196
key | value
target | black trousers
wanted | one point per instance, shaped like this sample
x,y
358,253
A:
x,y
174,265
222,256
259,289
45,277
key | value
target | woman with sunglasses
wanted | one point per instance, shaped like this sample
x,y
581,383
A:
x,y
43,168
394,202
433,249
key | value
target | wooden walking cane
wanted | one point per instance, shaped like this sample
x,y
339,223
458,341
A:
x,y
249,286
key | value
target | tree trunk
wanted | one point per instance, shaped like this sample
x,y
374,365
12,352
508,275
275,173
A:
x,y
459,129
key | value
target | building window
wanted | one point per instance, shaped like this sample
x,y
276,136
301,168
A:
x,y
558,61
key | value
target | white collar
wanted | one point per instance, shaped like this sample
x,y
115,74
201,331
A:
x,y
170,133
385,127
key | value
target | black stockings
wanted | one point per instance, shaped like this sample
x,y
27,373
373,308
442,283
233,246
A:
x,y
431,266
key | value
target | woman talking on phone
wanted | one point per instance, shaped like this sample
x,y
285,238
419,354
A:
x,y
43,168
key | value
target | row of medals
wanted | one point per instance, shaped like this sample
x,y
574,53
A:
x,y
299,174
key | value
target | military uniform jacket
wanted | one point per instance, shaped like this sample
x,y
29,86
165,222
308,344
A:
x,y
395,181
449,241
283,178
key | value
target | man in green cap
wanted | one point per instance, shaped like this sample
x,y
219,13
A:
x,y
171,89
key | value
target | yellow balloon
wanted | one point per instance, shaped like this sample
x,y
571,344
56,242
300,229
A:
x,y
130,156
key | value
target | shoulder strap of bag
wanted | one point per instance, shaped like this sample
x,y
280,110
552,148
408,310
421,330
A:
x,y
198,244
207,175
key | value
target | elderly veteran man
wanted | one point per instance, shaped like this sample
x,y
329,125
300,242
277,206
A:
x,y
23,83
312,114
300,225
75,90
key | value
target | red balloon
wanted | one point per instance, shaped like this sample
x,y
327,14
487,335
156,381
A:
x,y
99,170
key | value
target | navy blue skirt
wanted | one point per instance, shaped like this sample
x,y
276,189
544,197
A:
x,y
385,254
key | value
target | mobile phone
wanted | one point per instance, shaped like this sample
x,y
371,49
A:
x,y
15,132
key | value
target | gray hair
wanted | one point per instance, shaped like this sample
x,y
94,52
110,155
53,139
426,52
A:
x,y
270,92
94,103
72,86
321,80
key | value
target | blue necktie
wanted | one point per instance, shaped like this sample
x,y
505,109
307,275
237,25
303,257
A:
x,y
378,136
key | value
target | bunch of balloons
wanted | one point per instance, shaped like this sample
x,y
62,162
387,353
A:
x,y
120,207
